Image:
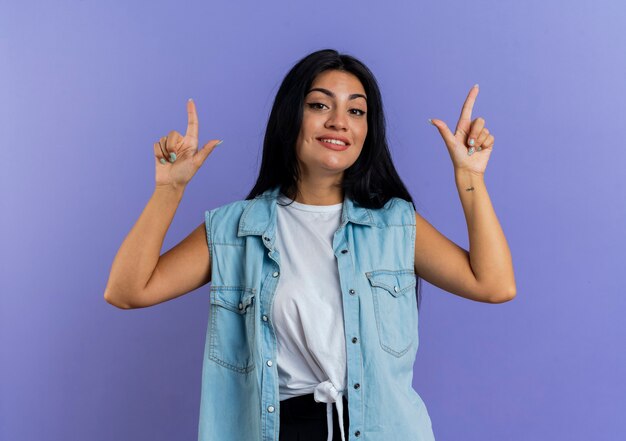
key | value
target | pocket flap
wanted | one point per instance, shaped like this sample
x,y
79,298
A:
x,y
235,298
396,283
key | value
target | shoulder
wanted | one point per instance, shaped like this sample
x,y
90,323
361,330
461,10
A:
x,y
395,212
222,222
227,210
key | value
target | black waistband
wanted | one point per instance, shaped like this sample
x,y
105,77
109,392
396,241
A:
x,y
305,406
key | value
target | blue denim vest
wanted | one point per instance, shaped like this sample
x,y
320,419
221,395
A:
x,y
374,250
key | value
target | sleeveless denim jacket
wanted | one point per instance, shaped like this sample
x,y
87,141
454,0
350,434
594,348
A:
x,y
374,251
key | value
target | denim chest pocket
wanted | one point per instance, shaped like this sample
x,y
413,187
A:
x,y
395,308
231,328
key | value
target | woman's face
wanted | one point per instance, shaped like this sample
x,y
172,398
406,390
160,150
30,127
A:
x,y
334,124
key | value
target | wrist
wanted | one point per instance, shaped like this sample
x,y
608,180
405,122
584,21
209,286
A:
x,y
468,180
175,190
468,174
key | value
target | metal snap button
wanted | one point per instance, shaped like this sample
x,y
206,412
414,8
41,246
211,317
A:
x,y
357,385
270,409
352,291
354,339
344,251
264,318
269,362
241,306
396,289
275,274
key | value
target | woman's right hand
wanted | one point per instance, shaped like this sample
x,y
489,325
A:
x,y
177,157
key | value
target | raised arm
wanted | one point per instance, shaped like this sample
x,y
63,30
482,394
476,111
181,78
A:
x,y
485,273
181,270
139,276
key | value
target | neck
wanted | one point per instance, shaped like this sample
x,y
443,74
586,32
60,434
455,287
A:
x,y
319,191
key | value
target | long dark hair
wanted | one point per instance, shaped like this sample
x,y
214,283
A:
x,y
372,180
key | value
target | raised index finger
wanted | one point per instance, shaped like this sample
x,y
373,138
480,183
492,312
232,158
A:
x,y
192,120
468,105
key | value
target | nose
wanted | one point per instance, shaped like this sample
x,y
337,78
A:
x,y
337,120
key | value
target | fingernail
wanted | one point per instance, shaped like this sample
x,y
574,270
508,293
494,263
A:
x,y
189,99
172,157
470,151
430,121
476,85
471,141
478,149
221,141
162,161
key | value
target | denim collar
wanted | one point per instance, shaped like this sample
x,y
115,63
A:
x,y
259,216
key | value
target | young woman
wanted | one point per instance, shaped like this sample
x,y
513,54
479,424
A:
x,y
314,274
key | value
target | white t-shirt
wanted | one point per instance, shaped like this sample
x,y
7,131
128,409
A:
x,y
308,308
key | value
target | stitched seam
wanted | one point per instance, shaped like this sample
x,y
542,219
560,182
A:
x,y
232,288
379,325
207,220
213,345
247,210
230,366
372,274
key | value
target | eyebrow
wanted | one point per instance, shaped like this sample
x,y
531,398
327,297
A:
x,y
332,95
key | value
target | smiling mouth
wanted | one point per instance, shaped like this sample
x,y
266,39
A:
x,y
333,144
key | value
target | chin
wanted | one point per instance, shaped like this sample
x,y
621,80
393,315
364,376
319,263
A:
x,y
328,162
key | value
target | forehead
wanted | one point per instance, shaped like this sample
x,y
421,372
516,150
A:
x,y
338,81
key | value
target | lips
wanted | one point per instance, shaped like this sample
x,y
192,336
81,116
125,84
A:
x,y
332,146
338,138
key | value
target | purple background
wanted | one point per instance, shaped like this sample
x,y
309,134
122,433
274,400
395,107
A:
x,y
86,87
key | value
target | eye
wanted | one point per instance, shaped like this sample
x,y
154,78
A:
x,y
320,106
360,112
315,106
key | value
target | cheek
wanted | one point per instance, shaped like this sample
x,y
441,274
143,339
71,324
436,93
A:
x,y
363,132
302,139
357,154
362,136
305,137
308,125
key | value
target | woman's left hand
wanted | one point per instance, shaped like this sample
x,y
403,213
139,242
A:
x,y
471,144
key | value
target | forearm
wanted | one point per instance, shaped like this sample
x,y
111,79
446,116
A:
x,y
490,256
139,254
